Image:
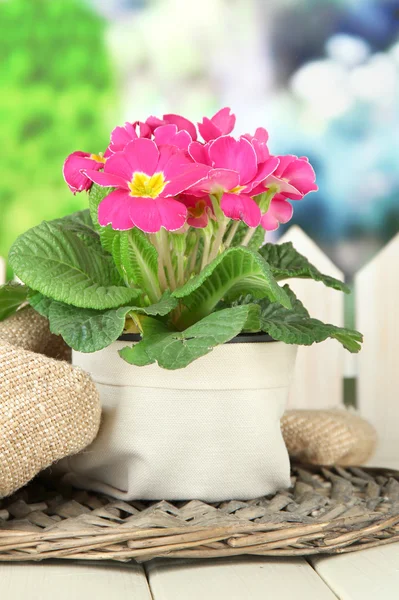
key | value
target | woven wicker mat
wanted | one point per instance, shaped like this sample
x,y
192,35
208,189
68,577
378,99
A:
x,y
327,510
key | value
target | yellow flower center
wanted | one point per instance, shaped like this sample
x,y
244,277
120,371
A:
x,y
197,210
146,186
237,189
98,157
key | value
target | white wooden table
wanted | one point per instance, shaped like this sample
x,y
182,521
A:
x,y
368,575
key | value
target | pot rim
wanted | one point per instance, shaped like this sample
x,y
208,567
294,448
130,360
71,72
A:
x,y
242,338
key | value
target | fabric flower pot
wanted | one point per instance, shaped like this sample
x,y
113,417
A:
x,y
210,431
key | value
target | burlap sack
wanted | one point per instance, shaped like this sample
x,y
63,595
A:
x,y
48,409
327,437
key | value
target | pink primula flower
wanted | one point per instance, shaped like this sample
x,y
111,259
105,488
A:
x,y
234,174
121,136
181,123
146,179
199,210
75,164
169,134
280,211
259,143
221,123
293,178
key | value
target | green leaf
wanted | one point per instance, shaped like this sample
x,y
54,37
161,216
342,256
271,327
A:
x,y
59,265
163,307
40,303
85,329
137,260
107,234
88,330
235,272
81,224
12,297
81,217
295,326
285,262
177,349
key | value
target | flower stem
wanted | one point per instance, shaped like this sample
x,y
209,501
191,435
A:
x,y
161,267
231,234
248,236
217,242
205,251
180,269
165,251
193,259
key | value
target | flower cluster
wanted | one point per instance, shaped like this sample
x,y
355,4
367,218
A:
x,y
162,175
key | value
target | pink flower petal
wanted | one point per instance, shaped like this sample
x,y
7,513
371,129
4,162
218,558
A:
x,y
105,179
144,129
259,143
168,134
301,175
179,170
241,207
114,210
261,135
199,210
121,136
182,140
199,152
208,130
280,211
150,214
283,187
153,122
182,124
189,176
285,160
221,123
119,165
236,155
218,180
198,222
172,212
142,155
164,133
145,215
264,170
224,120
73,168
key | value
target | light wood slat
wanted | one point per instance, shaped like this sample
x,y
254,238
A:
x,y
246,578
320,367
377,292
77,581
366,575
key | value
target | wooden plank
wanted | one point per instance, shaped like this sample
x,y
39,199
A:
x,y
244,578
80,581
377,290
363,575
320,367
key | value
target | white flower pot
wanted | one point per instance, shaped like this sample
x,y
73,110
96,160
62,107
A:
x,y
210,431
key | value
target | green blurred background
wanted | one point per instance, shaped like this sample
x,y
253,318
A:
x,y
56,96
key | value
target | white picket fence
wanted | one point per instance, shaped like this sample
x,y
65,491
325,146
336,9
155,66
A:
x,y
321,368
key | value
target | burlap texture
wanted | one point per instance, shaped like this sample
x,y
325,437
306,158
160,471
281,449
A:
x,y
327,437
48,409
